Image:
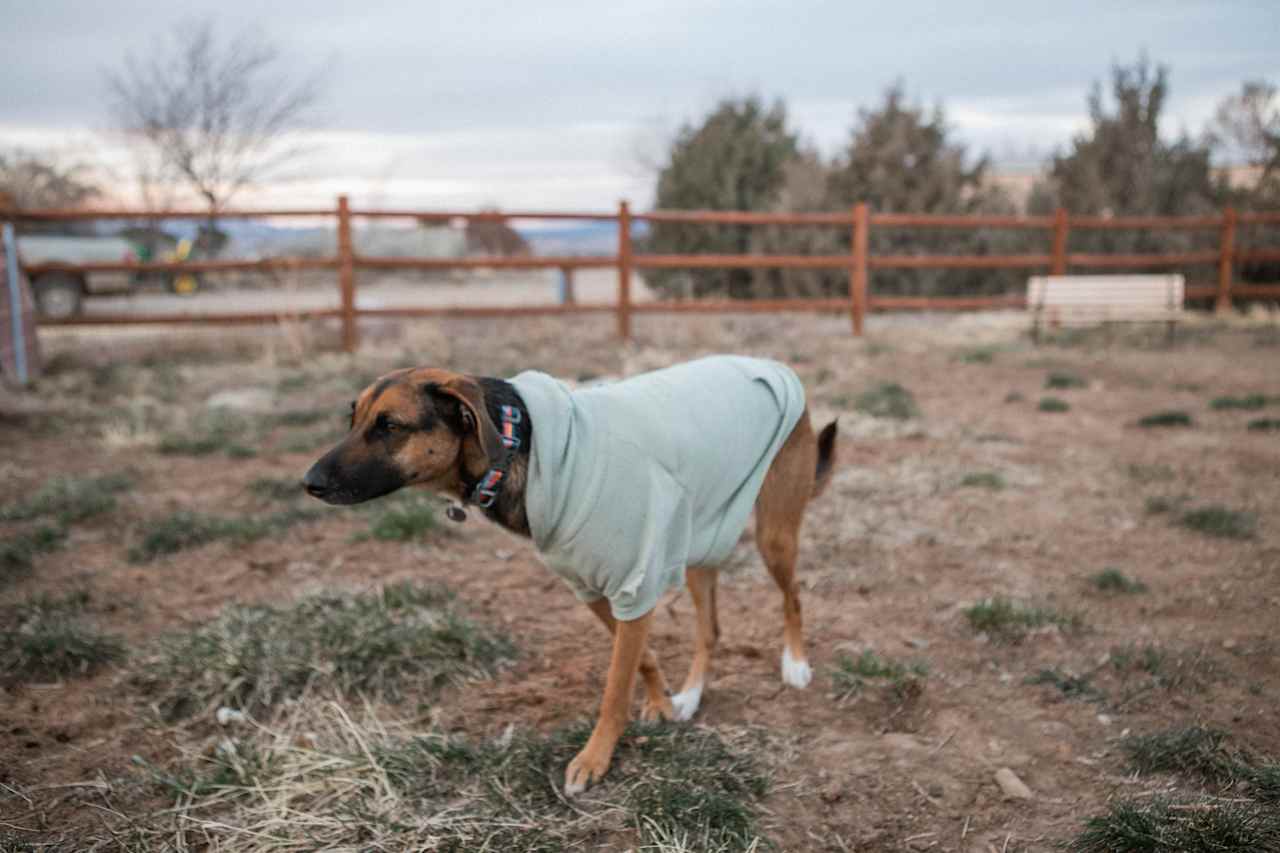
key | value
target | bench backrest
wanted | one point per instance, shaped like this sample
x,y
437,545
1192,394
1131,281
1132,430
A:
x,y
1062,299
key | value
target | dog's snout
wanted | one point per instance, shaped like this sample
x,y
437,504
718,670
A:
x,y
316,483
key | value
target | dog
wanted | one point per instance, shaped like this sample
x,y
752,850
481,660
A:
x,y
627,489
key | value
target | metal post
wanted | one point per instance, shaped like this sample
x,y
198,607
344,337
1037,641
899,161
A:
x,y
624,271
15,304
858,269
346,276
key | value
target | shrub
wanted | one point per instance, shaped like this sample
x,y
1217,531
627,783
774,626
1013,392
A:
x,y
1002,619
1220,521
1053,404
1064,380
1166,419
70,499
1114,580
45,639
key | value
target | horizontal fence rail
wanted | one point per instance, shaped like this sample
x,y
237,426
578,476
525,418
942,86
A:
x,y
859,261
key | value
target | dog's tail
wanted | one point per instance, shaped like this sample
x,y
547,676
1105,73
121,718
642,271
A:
x,y
826,458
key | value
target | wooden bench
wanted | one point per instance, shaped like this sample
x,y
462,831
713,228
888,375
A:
x,y
1087,300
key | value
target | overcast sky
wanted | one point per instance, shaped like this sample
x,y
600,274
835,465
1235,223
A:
x,y
558,105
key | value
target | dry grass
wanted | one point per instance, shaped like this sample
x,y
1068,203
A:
x,y
327,778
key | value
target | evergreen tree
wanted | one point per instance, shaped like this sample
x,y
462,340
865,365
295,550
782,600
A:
x,y
736,159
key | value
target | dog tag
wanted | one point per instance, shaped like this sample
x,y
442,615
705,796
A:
x,y
456,513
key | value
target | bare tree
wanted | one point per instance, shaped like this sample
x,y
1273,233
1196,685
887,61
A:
x,y
1247,124
214,111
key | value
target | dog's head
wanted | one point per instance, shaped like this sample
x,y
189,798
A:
x,y
410,427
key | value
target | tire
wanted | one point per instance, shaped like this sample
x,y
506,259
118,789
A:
x,y
58,295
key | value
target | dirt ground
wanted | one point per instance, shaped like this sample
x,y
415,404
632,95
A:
x,y
983,494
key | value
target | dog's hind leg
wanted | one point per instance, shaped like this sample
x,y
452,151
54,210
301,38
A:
x,y
657,703
779,513
702,589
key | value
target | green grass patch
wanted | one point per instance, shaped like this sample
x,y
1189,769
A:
x,y
851,675
670,788
1053,404
1008,621
1249,402
1201,753
406,516
45,639
1165,825
1172,418
1220,522
19,551
1264,425
1062,379
403,638
70,499
186,529
983,480
888,400
1112,579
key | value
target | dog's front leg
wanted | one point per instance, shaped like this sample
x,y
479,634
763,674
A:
x,y
590,765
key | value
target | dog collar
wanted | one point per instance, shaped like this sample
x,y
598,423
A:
x,y
485,493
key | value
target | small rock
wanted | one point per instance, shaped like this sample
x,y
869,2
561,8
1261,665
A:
x,y
1105,719
504,555
898,740
1013,787
1228,644
226,716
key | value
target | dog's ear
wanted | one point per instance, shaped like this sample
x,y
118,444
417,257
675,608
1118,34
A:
x,y
475,415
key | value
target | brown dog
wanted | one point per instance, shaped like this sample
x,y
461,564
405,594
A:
x,y
474,438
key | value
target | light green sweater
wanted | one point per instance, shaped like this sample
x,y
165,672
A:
x,y
631,482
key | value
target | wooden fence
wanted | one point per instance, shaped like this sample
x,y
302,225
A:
x,y
858,262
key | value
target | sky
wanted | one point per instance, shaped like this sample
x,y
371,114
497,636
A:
x,y
554,105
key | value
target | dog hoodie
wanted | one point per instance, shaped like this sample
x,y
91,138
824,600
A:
x,y
632,481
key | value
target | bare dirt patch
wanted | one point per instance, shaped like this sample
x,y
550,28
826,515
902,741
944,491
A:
x,y
976,495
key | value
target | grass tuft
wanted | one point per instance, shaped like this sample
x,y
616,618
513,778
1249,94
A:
x,y
888,400
405,517
252,657
852,674
979,355
216,432
1265,425
983,480
1113,580
1063,379
1070,686
185,529
44,639
1200,752
1164,825
1053,404
1172,418
70,499
1007,621
1220,521
1249,402
18,552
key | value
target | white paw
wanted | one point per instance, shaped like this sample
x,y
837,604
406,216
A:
x,y
796,673
686,703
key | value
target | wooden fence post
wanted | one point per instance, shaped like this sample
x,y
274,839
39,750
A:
x,y
1226,258
346,276
858,270
1061,227
624,271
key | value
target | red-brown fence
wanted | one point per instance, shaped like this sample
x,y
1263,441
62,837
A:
x,y
859,261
